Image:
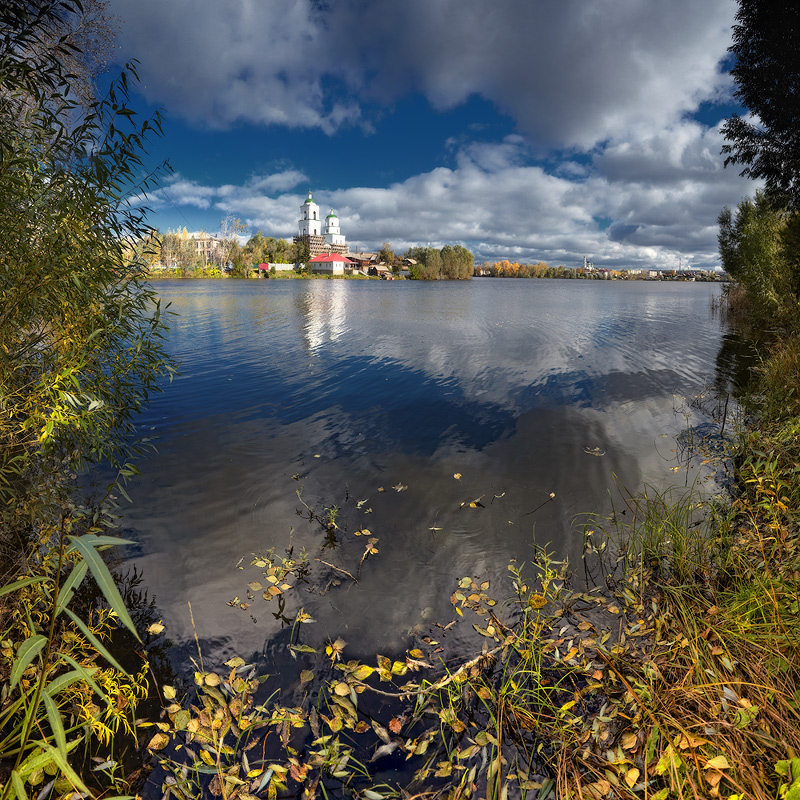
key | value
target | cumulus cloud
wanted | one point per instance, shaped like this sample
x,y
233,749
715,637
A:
x,y
569,73
645,205
606,161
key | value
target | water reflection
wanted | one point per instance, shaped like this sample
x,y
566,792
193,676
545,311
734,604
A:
x,y
344,390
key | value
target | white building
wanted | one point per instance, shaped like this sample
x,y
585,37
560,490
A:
x,y
330,263
333,234
310,222
327,238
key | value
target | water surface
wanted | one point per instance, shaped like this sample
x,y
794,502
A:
x,y
342,390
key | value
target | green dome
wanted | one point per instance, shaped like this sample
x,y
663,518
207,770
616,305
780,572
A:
x,y
331,215
309,200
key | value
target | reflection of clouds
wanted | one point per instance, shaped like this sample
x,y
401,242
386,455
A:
x,y
499,341
408,384
326,313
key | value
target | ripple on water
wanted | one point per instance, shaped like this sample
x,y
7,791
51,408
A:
x,y
342,389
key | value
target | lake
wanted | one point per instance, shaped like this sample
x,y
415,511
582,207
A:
x,y
368,398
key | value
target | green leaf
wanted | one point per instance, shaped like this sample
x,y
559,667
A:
x,y
56,724
105,541
70,585
96,643
28,650
105,582
12,587
65,768
73,676
19,785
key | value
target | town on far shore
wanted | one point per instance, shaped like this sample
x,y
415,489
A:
x,y
320,248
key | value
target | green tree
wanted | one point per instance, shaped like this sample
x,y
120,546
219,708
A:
x,y
81,348
81,330
178,252
229,231
254,251
386,254
767,75
451,262
758,249
300,253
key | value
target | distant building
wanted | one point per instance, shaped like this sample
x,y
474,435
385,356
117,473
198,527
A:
x,y
327,238
330,263
210,248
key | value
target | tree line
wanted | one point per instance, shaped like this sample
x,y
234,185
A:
x,y
451,262
759,242
179,250
513,269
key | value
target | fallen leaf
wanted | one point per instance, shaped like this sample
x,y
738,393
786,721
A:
x,y
631,776
158,742
687,740
629,740
718,762
395,725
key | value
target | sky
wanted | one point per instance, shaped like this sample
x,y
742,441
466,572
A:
x,y
528,130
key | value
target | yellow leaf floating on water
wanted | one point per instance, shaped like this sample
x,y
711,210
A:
x,y
457,476
156,628
537,601
362,672
158,742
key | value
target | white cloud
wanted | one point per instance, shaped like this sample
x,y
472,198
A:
x,y
571,73
646,203
606,161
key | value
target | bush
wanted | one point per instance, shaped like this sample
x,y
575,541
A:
x,y
80,350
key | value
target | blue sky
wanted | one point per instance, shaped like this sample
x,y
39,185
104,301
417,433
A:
x,y
536,130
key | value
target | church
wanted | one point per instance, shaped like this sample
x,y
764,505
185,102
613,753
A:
x,y
321,238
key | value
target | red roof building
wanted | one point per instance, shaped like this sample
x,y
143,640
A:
x,y
330,263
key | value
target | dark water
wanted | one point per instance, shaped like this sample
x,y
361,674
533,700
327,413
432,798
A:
x,y
353,387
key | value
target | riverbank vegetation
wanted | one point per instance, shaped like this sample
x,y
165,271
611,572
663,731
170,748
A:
x,y
677,676
508,269
80,351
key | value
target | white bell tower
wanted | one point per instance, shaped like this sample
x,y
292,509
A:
x,y
310,222
333,234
